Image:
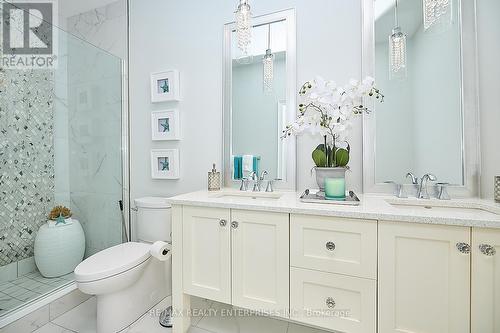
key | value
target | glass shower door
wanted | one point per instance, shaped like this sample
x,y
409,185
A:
x,y
60,144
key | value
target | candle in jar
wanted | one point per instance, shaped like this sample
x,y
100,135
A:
x,y
335,188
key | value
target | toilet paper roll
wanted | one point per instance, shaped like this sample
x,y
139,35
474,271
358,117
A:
x,y
161,250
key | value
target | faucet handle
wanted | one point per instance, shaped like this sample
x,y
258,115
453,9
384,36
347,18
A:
x,y
256,185
263,174
269,187
244,184
443,191
399,191
253,175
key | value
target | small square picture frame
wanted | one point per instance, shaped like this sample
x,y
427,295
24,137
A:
x,y
165,86
165,125
165,164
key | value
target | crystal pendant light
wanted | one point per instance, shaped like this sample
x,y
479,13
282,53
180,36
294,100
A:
x,y
268,62
244,30
437,14
397,50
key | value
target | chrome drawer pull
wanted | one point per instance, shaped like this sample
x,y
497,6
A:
x,y
330,302
463,248
487,250
330,246
222,223
234,224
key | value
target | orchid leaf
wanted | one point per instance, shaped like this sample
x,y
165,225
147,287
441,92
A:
x,y
341,157
319,157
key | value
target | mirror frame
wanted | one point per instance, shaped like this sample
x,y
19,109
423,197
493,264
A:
x,y
469,100
288,16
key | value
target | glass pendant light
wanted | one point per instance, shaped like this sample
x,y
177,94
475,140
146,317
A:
x,y
244,30
397,50
437,14
268,62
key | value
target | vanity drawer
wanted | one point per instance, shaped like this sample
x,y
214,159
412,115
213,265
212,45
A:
x,y
333,301
336,245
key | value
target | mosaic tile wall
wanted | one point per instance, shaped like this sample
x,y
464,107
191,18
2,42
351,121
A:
x,y
26,159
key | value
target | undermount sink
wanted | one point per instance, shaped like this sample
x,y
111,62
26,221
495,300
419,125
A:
x,y
461,209
248,195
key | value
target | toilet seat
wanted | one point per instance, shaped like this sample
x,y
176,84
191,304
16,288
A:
x,y
112,261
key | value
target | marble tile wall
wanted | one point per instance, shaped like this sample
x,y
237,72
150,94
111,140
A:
x,y
27,174
94,118
104,27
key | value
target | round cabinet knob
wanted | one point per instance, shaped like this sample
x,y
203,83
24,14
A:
x,y
463,248
330,302
330,246
487,250
222,223
234,224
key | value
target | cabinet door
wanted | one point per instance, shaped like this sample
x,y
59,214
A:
x,y
424,280
485,280
206,252
260,260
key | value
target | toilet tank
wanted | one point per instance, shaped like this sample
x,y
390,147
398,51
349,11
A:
x,y
154,219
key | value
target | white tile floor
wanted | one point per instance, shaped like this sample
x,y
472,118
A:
x,y
27,288
82,319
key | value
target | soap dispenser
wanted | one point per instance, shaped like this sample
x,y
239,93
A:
x,y
214,179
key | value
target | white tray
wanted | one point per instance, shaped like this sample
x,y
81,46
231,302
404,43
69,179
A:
x,y
351,200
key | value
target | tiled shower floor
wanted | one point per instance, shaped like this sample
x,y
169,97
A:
x,y
27,288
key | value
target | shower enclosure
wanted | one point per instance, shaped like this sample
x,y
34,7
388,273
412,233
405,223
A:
x,y
60,144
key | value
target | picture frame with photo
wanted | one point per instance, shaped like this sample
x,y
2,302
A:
x,y
165,86
165,125
165,164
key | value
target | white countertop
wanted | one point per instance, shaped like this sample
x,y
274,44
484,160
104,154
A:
x,y
460,212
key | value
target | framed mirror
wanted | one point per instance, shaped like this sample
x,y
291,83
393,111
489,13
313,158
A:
x,y
426,67
259,100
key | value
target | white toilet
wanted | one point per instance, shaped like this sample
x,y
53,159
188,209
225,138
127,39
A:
x,y
126,279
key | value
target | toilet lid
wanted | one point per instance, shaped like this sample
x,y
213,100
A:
x,y
112,261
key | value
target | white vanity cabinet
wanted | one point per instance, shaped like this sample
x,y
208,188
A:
x,y
424,278
349,275
485,280
237,257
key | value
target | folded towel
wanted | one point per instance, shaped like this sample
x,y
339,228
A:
x,y
256,160
247,165
237,167
240,167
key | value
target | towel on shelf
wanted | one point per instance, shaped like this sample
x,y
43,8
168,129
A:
x,y
256,160
247,165
237,167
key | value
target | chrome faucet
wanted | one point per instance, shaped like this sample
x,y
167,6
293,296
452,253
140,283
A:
x,y
244,184
414,179
422,189
261,179
256,181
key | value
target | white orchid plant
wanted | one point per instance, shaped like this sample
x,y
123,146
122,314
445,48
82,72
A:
x,y
328,109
